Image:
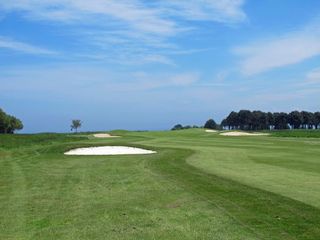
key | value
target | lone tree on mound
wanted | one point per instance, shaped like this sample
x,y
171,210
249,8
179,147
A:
x,y
75,124
211,124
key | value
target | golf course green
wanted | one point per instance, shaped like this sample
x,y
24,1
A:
x,y
199,185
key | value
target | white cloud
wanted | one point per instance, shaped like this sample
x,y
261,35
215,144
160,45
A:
x,y
129,28
132,12
143,15
7,43
155,18
288,49
226,11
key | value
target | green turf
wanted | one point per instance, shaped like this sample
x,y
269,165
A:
x,y
198,186
297,133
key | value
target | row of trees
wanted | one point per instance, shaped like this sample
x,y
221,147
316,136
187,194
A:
x,y
258,120
181,127
210,124
8,123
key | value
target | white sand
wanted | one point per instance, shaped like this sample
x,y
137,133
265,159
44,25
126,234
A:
x,y
103,135
108,150
211,131
243,134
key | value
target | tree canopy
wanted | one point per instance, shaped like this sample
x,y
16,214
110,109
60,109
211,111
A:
x,y
9,124
181,127
258,120
75,124
211,124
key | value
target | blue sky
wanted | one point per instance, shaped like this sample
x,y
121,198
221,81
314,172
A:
x,y
138,64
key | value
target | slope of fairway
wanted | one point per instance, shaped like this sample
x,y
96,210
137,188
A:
x,y
290,167
199,186
287,167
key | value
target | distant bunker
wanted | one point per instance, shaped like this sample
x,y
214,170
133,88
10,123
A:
x,y
108,150
104,135
236,134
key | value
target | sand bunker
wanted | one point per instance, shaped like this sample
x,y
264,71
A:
x,y
108,150
243,134
103,135
211,131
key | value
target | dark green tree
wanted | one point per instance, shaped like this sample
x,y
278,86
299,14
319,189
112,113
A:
x,y
307,119
258,120
281,120
232,121
245,119
316,117
270,120
224,123
14,124
75,124
3,121
177,127
9,124
295,119
211,124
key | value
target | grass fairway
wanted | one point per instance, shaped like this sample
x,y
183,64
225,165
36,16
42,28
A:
x,y
198,186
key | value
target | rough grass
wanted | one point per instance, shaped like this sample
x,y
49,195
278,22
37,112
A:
x,y
199,186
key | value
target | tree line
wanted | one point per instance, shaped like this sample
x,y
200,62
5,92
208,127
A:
x,y
210,124
181,127
258,120
9,124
